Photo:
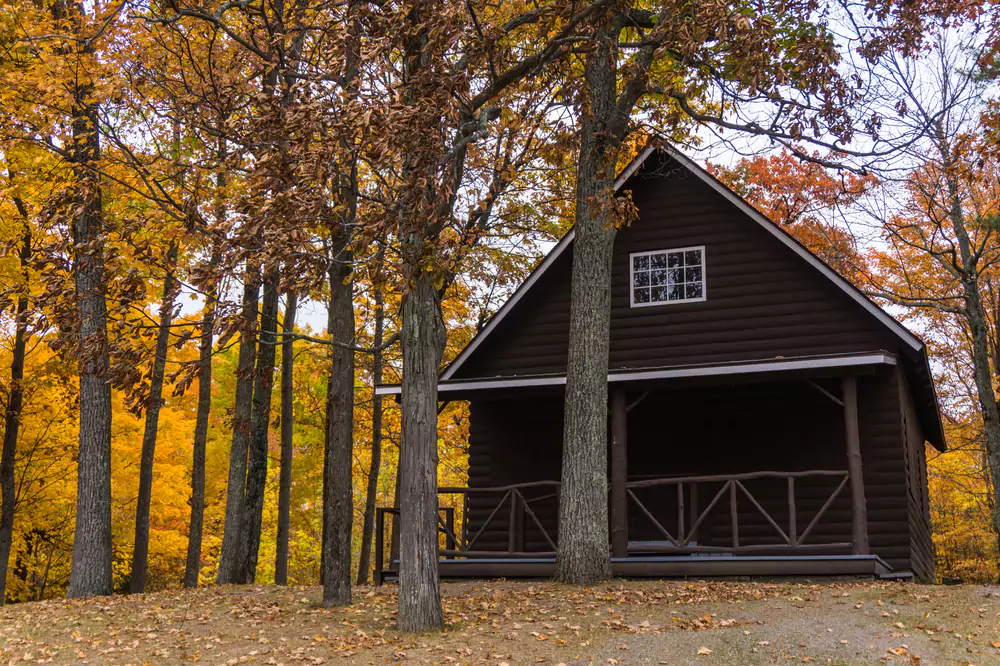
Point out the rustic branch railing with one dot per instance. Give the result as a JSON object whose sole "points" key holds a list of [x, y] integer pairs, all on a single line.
{"points": [[735, 487], [460, 544], [515, 501]]}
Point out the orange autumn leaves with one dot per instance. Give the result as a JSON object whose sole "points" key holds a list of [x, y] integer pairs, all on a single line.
{"points": [[46, 472]]}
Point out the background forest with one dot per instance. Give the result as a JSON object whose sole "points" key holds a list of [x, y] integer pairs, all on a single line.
{"points": [[210, 210]]}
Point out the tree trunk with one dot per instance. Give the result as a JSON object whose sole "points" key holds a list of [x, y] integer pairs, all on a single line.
{"points": [[12, 421], [984, 387], [287, 427], [229, 557], [368, 526], [260, 421], [583, 555], [338, 458], [978, 329], [140, 553], [423, 339], [193, 565], [92, 555]]}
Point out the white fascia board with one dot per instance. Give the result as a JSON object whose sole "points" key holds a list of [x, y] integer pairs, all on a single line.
{"points": [[476, 385], [719, 370], [901, 331], [777, 365]]}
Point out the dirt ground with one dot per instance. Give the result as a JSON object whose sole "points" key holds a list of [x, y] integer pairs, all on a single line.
{"points": [[624, 622]]}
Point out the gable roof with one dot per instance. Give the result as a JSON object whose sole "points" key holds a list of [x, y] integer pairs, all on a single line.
{"points": [[916, 362], [910, 341]]}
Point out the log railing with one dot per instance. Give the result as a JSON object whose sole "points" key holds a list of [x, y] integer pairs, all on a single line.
{"points": [[733, 490], [460, 543], [794, 532]]}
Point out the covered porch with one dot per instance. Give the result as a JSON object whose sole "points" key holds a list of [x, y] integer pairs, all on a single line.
{"points": [[751, 469]]}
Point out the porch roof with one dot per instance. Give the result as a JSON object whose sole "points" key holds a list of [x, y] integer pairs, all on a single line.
{"points": [[460, 389]]}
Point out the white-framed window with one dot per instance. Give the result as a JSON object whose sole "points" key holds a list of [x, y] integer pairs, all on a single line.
{"points": [[661, 277]]}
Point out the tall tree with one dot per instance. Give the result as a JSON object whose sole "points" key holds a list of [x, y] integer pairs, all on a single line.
{"points": [[260, 421], [287, 441], [338, 514], [371, 492], [15, 403], [230, 559], [942, 251], [192, 567], [583, 508], [92, 555], [137, 582]]}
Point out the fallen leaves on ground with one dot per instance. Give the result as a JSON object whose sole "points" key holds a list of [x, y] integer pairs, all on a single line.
{"points": [[514, 623]]}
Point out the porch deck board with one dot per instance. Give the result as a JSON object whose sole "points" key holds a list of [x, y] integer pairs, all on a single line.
{"points": [[676, 566]]}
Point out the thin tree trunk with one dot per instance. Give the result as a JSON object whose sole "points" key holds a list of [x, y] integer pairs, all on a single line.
{"points": [[339, 453], [583, 555], [260, 421], [92, 555], [140, 553], [287, 432], [368, 526], [423, 340], [192, 568], [229, 557], [979, 331], [12, 421]]}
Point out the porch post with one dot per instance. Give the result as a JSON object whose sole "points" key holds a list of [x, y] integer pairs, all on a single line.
{"points": [[859, 511], [619, 474]]}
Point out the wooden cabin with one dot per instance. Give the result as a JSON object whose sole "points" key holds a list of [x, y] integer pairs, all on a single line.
{"points": [[765, 417]]}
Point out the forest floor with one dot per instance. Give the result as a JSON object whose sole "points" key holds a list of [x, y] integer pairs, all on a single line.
{"points": [[623, 622]]}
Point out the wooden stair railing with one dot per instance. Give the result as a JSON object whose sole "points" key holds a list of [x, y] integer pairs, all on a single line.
{"points": [[458, 543]]}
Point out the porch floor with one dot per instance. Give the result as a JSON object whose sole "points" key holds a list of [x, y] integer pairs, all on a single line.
{"points": [[675, 566]]}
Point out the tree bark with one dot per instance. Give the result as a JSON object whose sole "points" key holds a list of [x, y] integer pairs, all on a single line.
{"points": [[12, 420], [338, 492], [140, 552], [287, 428], [260, 421], [229, 557], [368, 526], [423, 337], [969, 271], [192, 568], [92, 555], [583, 553], [619, 474], [984, 387]]}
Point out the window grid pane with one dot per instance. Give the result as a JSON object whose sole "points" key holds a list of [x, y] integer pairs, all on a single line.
{"points": [[668, 276]]}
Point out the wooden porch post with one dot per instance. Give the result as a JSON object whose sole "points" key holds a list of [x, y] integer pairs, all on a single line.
{"points": [[859, 510], [619, 474]]}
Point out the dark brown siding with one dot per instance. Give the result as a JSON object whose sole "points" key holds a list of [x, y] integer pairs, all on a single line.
{"points": [[513, 441], [762, 299], [884, 468], [678, 431], [915, 450]]}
